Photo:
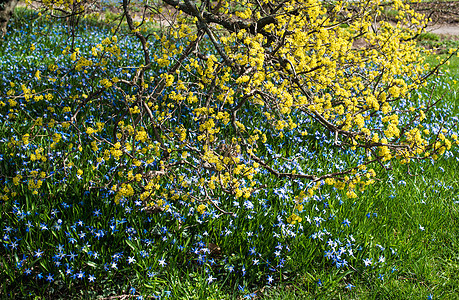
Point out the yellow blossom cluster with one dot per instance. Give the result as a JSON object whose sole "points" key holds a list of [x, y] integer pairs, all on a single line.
{"points": [[209, 109]]}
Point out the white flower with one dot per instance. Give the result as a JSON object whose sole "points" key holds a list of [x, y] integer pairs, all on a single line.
{"points": [[210, 279], [367, 262], [131, 260], [162, 262]]}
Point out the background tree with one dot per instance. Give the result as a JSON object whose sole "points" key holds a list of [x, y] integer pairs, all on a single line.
{"points": [[6, 11]]}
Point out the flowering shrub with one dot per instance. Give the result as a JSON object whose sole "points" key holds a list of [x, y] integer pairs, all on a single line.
{"points": [[221, 145]]}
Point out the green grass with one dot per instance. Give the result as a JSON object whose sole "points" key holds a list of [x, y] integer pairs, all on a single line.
{"points": [[439, 44], [427, 260]]}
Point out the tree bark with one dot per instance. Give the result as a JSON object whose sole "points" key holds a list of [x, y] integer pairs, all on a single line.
{"points": [[6, 12]]}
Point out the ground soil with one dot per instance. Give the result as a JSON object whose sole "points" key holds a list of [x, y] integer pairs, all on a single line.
{"points": [[440, 12], [444, 15]]}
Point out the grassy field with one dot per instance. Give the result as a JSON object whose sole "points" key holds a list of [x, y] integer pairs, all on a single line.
{"points": [[417, 214], [397, 240]]}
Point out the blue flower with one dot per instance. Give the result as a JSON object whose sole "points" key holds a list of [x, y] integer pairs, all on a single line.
{"points": [[38, 253], [367, 262], [80, 275], [349, 286], [132, 290], [151, 274], [72, 255]]}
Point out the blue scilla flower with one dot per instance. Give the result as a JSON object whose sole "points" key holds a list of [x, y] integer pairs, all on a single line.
{"points": [[80, 275], [349, 286], [38, 253], [346, 222]]}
